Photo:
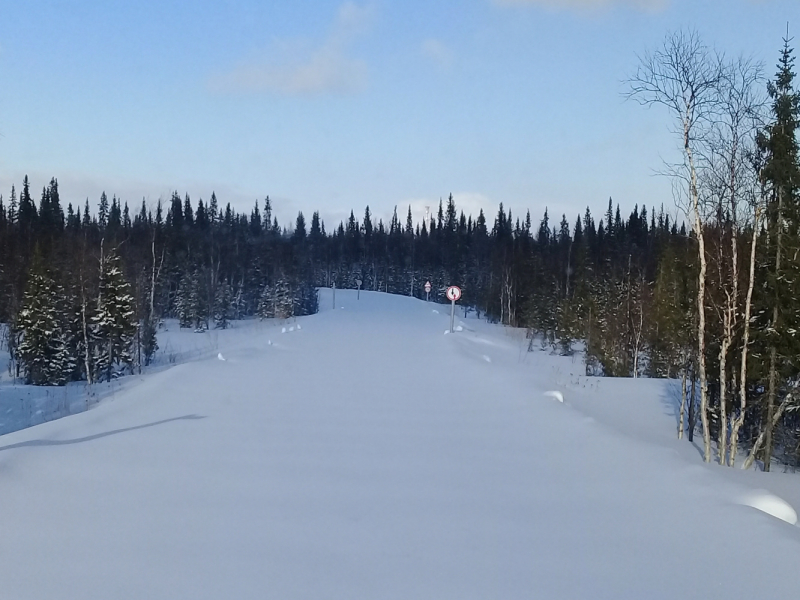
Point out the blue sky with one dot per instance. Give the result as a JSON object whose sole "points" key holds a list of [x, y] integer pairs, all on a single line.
{"points": [[331, 105]]}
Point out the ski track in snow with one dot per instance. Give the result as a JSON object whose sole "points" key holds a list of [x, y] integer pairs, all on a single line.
{"points": [[373, 457]]}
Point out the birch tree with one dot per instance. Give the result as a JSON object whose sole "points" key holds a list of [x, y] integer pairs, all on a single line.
{"points": [[683, 75], [732, 179]]}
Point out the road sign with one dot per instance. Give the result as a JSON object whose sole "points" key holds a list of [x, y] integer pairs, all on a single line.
{"points": [[427, 287], [358, 282], [358, 294], [453, 293]]}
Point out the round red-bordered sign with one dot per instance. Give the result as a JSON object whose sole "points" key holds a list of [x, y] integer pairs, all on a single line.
{"points": [[453, 293]]}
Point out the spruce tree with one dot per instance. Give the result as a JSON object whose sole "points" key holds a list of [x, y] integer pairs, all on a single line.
{"points": [[223, 298], [114, 323], [782, 174], [266, 302], [41, 346]]}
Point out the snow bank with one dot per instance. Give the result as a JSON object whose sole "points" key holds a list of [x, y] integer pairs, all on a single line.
{"points": [[372, 457]]}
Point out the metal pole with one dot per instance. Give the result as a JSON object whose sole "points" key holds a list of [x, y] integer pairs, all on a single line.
{"points": [[334, 294], [452, 314]]}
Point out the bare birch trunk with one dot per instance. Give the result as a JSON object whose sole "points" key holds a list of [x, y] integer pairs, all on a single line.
{"points": [[693, 405], [86, 354], [701, 299], [683, 405], [771, 392], [773, 351], [723, 386], [637, 342], [739, 420], [764, 433], [731, 306], [154, 276], [684, 76]]}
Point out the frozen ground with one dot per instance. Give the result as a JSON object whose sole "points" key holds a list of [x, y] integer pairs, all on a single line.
{"points": [[367, 455]]}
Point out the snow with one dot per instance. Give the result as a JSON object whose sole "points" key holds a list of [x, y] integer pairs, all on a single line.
{"points": [[556, 395], [771, 504], [372, 457]]}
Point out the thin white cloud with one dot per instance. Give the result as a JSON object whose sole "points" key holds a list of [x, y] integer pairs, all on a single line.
{"points": [[438, 52], [587, 5], [305, 69]]}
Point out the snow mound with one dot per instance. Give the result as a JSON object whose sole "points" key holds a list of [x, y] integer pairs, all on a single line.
{"points": [[283, 329], [487, 359], [220, 357], [770, 504], [555, 394]]}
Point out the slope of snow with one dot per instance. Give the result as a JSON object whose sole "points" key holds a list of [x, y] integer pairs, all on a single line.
{"points": [[366, 455]]}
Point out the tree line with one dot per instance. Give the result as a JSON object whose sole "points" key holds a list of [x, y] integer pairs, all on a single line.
{"points": [[708, 299]]}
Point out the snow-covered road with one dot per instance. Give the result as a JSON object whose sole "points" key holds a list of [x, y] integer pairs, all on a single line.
{"points": [[365, 456]]}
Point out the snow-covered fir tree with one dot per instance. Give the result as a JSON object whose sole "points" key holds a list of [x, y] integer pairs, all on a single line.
{"points": [[149, 339], [283, 299], [306, 300], [278, 300], [41, 331], [114, 323], [183, 301], [223, 300], [191, 304], [266, 302], [198, 306]]}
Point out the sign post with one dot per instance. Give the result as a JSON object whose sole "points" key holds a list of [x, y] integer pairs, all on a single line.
{"points": [[427, 291], [358, 294], [334, 293], [453, 294]]}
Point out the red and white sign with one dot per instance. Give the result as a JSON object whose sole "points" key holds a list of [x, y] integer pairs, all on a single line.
{"points": [[453, 293], [427, 287]]}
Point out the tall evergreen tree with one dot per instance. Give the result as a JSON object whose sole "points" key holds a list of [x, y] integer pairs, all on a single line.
{"points": [[114, 322]]}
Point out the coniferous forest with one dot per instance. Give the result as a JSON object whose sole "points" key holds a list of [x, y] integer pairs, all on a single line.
{"points": [[708, 298]]}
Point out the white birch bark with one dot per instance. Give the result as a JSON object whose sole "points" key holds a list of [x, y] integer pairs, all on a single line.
{"points": [[787, 400], [738, 421], [683, 405]]}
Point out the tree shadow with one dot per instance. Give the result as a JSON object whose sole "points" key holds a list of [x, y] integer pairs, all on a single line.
{"points": [[89, 438], [671, 401]]}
